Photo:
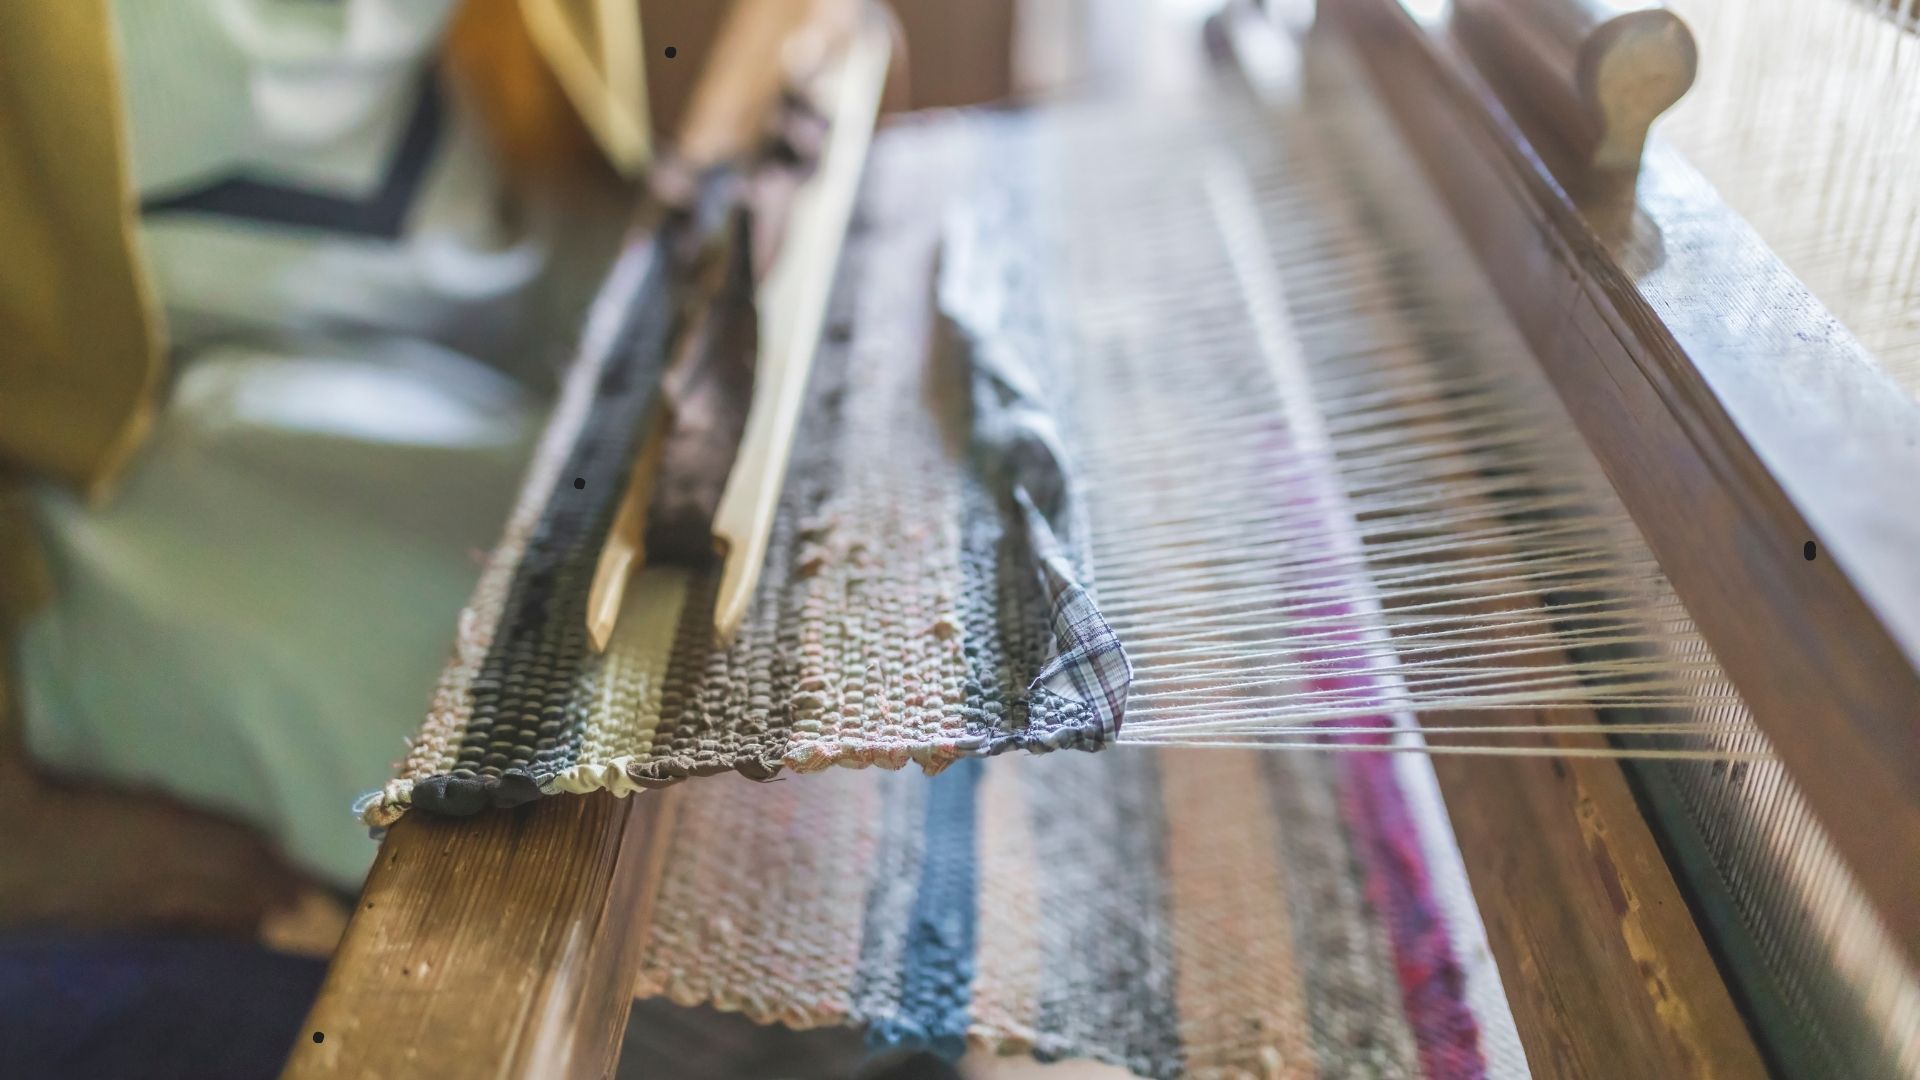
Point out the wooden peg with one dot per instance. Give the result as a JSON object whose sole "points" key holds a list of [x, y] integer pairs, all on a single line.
{"points": [[758, 51], [1597, 71], [625, 548]]}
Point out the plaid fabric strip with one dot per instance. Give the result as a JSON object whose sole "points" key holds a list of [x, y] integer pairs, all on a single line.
{"points": [[1089, 667], [989, 305]]}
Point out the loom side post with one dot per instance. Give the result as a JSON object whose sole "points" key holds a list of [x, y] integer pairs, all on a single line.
{"points": [[504, 945], [1735, 418]]}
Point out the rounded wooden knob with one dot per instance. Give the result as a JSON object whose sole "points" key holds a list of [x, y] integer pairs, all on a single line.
{"points": [[1597, 71], [1631, 68]]}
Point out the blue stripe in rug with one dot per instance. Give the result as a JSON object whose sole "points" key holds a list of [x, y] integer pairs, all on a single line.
{"points": [[937, 971]]}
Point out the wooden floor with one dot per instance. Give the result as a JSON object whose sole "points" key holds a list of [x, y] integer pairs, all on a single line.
{"points": [[83, 855]]}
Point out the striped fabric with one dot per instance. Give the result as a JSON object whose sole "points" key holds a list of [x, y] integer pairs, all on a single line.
{"points": [[1193, 912], [922, 600], [1206, 913]]}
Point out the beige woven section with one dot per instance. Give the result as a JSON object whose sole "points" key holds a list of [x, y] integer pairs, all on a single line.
{"points": [[631, 689], [881, 666], [1011, 975], [1241, 998], [765, 898]]}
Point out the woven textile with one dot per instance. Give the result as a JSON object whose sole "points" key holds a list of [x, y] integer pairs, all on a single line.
{"points": [[991, 312], [921, 600], [1207, 913], [1204, 913]]}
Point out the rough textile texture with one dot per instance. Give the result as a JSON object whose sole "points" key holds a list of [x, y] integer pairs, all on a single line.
{"points": [[1212, 913], [990, 311], [1207, 913], [914, 606]]}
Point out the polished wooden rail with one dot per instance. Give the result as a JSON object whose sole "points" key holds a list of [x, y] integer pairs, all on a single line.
{"points": [[1734, 416]]}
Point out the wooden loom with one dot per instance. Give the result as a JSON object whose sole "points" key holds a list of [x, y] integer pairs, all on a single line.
{"points": [[1736, 423]]}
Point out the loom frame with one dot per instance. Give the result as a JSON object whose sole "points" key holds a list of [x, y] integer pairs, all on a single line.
{"points": [[1709, 453], [1648, 305]]}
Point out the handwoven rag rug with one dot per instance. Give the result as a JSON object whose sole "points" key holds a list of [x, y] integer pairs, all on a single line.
{"points": [[924, 596], [1199, 912], [1188, 912]]}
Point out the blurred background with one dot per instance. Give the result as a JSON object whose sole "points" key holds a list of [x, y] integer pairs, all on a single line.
{"points": [[288, 286]]}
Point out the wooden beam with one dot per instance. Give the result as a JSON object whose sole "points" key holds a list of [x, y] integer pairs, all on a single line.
{"points": [[1598, 72], [1734, 417], [1602, 963], [503, 945]]}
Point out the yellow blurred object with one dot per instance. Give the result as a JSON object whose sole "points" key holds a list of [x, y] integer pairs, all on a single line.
{"points": [[594, 50], [559, 83], [83, 357], [82, 354]]}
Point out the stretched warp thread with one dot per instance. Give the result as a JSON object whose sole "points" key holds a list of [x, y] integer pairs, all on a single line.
{"points": [[1326, 484]]}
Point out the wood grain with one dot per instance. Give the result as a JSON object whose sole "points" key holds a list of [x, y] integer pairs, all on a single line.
{"points": [[759, 49], [791, 303], [1736, 420], [504, 945], [1603, 966]]}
